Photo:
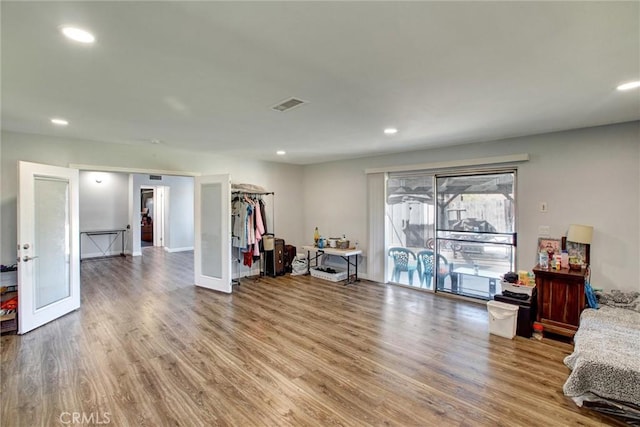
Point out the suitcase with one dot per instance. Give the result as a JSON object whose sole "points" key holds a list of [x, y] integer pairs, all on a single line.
{"points": [[274, 260], [289, 256]]}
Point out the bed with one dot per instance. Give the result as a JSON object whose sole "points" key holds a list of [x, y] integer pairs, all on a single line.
{"points": [[605, 363]]}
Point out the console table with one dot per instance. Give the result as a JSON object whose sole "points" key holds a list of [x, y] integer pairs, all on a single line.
{"points": [[345, 254], [112, 239]]}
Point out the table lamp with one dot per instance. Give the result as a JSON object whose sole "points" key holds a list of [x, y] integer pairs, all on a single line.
{"points": [[580, 234]]}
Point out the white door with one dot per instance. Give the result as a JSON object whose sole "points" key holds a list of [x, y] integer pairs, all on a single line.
{"points": [[212, 250], [159, 220], [48, 244]]}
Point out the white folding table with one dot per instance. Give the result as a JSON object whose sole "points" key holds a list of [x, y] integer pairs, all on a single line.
{"points": [[345, 254]]}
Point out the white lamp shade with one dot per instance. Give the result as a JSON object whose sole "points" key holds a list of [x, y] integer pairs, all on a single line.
{"points": [[580, 234]]}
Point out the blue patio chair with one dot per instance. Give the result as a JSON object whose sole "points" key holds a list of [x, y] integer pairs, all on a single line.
{"points": [[403, 260], [426, 270]]}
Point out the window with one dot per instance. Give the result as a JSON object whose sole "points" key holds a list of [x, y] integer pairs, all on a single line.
{"points": [[451, 233]]}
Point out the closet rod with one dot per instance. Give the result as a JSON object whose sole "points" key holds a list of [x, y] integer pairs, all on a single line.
{"points": [[252, 193]]}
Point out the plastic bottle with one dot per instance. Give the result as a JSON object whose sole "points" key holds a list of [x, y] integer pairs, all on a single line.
{"points": [[543, 260], [316, 236], [538, 331], [564, 260]]}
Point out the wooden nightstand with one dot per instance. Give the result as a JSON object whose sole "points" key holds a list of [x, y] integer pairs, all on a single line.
{"points": [[560, 299]]}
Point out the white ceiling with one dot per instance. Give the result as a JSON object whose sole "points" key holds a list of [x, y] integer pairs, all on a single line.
{"points": [[203, 75]]}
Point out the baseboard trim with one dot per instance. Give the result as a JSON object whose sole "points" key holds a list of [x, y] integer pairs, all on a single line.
{"points": [[100, 254], [171, 250]]}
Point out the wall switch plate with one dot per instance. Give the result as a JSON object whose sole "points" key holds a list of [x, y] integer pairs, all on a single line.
{"points": [[543, 207], [544, 231]]}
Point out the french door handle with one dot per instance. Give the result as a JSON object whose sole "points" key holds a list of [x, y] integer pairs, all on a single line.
{"points": [[28, 258]]}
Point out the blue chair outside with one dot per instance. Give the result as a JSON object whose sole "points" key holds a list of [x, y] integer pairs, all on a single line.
{"points": [[426, 268], [403, 260]]}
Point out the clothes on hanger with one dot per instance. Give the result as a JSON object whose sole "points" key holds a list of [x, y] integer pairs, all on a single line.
{"points": [[248, 225]]}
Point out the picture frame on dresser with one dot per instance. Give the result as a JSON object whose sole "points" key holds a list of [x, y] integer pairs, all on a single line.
{"points": [[580, 250], [549, 245]]}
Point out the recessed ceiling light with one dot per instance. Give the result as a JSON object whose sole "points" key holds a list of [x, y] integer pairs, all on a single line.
{"points": [[155, 141], [59, 122], [78, 34], [390, 131], [281, 152], [630, 85]]}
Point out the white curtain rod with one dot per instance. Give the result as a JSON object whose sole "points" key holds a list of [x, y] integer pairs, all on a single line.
{"points": [[512, 158]]}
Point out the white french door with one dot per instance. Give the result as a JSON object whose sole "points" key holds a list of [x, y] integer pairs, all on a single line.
{"points": [[212, 249], [48, 244]]}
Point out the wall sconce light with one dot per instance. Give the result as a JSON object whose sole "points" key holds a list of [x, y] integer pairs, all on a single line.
{"points": [[99, 178]]}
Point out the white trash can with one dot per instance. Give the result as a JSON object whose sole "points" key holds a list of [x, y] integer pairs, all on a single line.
{"points": [[503, 318]]}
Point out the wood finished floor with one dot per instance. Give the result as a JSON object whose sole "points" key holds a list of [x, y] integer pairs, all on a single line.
{"points": [[150, 349]]}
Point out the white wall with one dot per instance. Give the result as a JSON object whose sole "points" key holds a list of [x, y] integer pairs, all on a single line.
{"points": [[284, 180], [103, 206], [587, 176], [178, 222]]}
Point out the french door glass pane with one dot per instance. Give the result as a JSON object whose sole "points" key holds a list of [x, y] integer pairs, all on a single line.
{"points": [[211, 259], [51, 241], [476, 231]]}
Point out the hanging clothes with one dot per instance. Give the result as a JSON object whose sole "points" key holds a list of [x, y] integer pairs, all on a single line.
{"points": [[259, 228], [249, 225], [248, 258], [249, 229], [239, 220], [264, 216]]}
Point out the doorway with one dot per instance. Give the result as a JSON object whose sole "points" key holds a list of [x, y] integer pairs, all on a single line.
{"points": [[146, 217], [152, 216]]}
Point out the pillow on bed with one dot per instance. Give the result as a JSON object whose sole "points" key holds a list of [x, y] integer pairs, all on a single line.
{"points": [[620, 299]]}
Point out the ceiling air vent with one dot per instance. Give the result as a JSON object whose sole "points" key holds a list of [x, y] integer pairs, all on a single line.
{"points": [[155, 177], [288, 104]]}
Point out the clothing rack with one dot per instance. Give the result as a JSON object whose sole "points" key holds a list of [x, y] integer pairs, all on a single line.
{"points": [[235, 251]]}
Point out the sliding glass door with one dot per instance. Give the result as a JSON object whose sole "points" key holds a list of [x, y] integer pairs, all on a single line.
{"points": [[451, 233], [476, 231], [410, 229]]}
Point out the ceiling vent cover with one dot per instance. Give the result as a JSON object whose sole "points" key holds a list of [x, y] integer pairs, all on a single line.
{"points": [[288, 104]]}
